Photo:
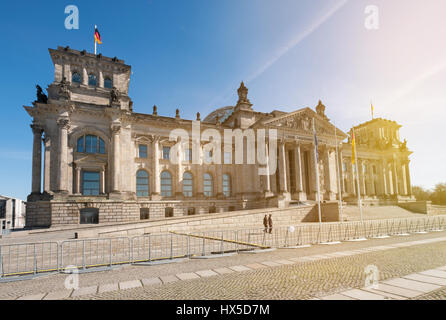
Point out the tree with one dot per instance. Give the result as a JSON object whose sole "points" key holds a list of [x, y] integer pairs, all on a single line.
{"points": [[421, 194], [439, 194]]}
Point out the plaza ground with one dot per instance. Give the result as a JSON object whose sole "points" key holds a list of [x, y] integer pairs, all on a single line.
{"points": [[305, 273]]}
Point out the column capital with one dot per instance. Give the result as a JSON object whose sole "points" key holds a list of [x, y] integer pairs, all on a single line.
{"points": [[36, 128], [63, 123], [116, 128], [154, 138]]}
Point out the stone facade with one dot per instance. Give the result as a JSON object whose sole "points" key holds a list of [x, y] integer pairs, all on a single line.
{"points": [[101, 158]]}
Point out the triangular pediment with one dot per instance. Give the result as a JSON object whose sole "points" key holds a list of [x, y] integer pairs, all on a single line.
{"points": [[301, 121]]}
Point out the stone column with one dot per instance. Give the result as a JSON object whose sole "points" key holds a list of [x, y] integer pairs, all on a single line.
{"points": [[409, 185], [301, 195], [385, 186], [84, 76], [404, 179], [267, 189], [101, 79], [47, 164], [395, 179], [200, 172], [116, 129], [329, 180], [313, 174], [37, 159], [102, 181], [64, 125], [282, 168], [362, 178], [340, 163], [156, 167], [78, 180]]}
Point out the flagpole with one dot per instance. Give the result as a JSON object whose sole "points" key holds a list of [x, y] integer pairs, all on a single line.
{"points": [[357, 180], [317, 176], [339, 177], [95, 42]]}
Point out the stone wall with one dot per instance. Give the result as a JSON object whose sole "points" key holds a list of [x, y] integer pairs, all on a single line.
{"points": [[425, 207], [220, 221], [59, 213]]}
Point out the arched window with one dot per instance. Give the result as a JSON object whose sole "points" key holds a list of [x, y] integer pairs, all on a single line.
{"points": [[188, 184], [166, 184], [76, 78], [108, 83], [92, 80], [208, 185], [142, 183], [90, 144], [226, 185]]}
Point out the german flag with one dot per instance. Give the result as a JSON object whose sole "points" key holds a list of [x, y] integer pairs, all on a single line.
{"points": [[97, 35]]}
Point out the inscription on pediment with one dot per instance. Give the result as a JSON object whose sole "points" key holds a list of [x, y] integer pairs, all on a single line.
{"points": [[303, 122]]}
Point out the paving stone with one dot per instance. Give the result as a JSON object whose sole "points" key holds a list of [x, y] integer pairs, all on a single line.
{"points": [[397, 291], [382, 293], [362, 295], [240, 268], [337, 296], [58, 295], [108, 287], [284, 262], [427, 279], [256, 266], [125, 285], [223, 270], [151, 281], [187, 276], [412, 285], [271, 263], [38, 296], [206, 273], [85, 291], [168, 279], [434, 273]]}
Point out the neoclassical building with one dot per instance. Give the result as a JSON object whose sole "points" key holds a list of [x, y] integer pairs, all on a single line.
{"points": [[104, 163]]}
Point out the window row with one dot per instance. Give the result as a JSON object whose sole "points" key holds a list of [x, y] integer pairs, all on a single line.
{"points": [[92, 80], [143, 185], [187, 156]]}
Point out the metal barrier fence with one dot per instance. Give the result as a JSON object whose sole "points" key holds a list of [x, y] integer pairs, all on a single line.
{"points": [[34, 258]]}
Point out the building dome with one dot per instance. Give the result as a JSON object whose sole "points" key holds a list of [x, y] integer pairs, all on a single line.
{"points": [[221, 113]]}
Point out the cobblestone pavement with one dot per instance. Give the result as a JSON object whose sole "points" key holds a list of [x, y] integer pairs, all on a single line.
{"points": [[273, 279]]}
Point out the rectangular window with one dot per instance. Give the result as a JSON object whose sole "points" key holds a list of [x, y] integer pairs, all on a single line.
{"points": [[143, 151], [166, 153], [90, 183], [91, 144], [144, 213]]}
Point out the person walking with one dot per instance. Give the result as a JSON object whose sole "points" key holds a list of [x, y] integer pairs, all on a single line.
{"points": [[265, 223], [270, 223]]}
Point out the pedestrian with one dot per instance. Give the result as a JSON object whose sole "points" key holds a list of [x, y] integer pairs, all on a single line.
{"points": [[265, 223], [270, 223]]}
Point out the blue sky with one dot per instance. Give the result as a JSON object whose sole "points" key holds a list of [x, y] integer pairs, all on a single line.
{"points": [[193, 54]]}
